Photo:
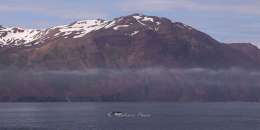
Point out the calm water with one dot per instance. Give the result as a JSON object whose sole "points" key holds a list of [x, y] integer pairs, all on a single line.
{"points": [[162, 116]]}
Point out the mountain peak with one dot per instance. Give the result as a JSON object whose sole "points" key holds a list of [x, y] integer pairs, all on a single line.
{"points": [[140, 20], [142, 16], [87, 22]]}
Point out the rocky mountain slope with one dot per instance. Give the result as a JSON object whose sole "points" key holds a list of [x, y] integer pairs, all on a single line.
{"points": [[134, 41]]}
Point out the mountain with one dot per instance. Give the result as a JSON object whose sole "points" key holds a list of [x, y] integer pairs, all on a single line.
{"points": [[130, 58], [134, 41]]}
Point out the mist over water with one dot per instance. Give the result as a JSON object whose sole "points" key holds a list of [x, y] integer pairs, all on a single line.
{"points": [[150, 84]]}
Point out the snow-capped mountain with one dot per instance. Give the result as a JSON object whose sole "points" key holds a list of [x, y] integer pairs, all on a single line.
{"points": [[14, 36], [134, 41]]}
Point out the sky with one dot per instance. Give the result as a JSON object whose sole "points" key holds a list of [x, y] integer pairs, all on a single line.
{"points": [[225, 20]]}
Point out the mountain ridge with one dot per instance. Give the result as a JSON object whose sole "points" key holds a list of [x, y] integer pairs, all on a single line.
{"points": [[133, 41], [76, 24]]}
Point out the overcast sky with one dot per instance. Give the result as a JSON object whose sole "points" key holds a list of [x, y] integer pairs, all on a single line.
{"points": [[225, 20]]}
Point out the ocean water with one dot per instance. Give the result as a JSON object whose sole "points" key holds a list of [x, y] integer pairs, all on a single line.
{"points": [[130, 116]]}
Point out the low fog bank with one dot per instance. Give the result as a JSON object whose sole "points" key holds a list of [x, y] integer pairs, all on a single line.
{"points": [[151, 84]]}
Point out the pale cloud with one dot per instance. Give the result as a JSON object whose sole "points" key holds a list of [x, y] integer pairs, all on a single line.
{"points": [[190, 5], [53, 10]]}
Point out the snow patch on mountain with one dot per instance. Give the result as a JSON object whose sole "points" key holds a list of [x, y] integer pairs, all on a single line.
{"points": [[148, 19], [81, 28], [111, 24], [134, 33], [120, 26], [18, 36], [137, 17]]}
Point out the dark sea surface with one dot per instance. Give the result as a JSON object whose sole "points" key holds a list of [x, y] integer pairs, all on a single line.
{"points": [[133, 116]]}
